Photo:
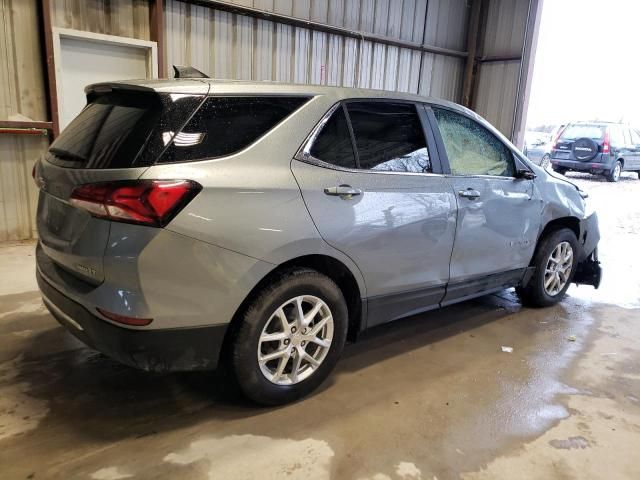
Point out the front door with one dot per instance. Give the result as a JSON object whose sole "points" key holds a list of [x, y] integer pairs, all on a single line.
{"points": [[375, 197], [635, 142], [498, 214]]}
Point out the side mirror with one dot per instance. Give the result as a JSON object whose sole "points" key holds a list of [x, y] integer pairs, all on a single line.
{"points": [[525, 174]]}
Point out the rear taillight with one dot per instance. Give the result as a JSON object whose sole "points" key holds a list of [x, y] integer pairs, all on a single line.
{"points": [[606, 145], [146, 202], [556, 137]]}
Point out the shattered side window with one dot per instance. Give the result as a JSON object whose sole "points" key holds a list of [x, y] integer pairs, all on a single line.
{"points": [[471, 148]]}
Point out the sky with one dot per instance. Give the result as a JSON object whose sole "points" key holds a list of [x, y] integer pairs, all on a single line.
{"points": [[587, 63]]}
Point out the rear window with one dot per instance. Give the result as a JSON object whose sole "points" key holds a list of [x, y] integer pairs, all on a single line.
{"points": [[225, 125], [574, 132], [134, 129], [109, 132]]}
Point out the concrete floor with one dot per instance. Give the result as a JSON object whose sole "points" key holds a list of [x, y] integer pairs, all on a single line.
{"points": [[428, 397]]}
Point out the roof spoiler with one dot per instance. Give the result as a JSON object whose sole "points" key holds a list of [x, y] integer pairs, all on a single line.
{"points": [[183, 71]]}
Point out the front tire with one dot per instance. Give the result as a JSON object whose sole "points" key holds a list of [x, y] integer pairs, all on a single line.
{"points": [[614, 174], [290, 337], [555, 264]]}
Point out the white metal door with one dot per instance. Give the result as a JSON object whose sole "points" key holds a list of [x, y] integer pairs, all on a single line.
{"points": [[85, 62]]}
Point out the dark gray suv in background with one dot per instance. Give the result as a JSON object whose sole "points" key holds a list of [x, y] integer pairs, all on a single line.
{"points": [[186, 224], [599, 148]]}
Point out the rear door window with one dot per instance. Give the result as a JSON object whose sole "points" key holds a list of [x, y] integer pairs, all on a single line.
{"points": [[389, 137], [617, 136], [225, 125], [333, 144], [471, 148]]}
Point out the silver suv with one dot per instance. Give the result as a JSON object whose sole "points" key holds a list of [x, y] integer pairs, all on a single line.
{"points": [[186, 224]]}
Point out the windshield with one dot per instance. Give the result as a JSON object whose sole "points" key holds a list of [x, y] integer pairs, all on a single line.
{"points": [[574, 132]]}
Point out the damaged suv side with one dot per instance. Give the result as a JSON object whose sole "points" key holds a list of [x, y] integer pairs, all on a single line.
{"points": [[189, 224]]}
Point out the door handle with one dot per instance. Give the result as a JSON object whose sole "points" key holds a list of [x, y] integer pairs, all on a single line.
{"points": [[346, 192], [469, 193]]}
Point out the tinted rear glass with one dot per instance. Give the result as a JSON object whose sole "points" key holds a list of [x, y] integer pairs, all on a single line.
{"points": [[333, 144], [574, 132], [121, 130], [225, 125], [108, 133]]}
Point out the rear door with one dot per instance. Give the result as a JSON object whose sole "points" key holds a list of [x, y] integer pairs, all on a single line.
{"points": [[635, 141], [620, 144], [378, 196], [115, 137], [498, 214]]}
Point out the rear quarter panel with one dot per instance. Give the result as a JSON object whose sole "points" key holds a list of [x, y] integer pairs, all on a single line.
{"points": [[250, 202]]}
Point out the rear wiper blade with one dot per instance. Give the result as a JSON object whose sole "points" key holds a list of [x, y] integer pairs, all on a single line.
{"points": [[66, 155]]}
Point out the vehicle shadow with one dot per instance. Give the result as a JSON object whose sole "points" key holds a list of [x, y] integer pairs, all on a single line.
{"points": [[101, 399]]}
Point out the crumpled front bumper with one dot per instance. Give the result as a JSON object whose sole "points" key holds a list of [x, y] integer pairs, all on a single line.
{"points": [[589, 271]]}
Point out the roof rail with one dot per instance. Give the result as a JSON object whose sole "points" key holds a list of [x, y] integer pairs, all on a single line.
{"points": [[183, 71]]}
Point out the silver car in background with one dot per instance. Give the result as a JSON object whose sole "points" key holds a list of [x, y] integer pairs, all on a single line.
{"points": [[190, 224], [537, 148]]}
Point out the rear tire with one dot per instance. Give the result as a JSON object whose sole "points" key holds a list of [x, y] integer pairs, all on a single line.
{"points": [[299, 364], [614, 174], [560, 170], [550, 263]]}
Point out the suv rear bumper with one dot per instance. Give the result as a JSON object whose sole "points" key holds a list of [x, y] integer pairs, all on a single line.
{"points": [[592, 166], [164, 350]]}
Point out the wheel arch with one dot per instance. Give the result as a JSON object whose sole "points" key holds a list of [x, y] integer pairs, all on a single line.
{"points": [[570, 222], [333, 268]]}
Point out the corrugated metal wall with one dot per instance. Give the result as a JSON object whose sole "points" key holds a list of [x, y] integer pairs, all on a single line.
{"points": [[21, 98], [226, 45], [125, 18], [497, 82]]}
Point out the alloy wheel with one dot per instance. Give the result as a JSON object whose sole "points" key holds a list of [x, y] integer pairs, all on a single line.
{"points": [[617, 170], [558, 269], [295, 340]]}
